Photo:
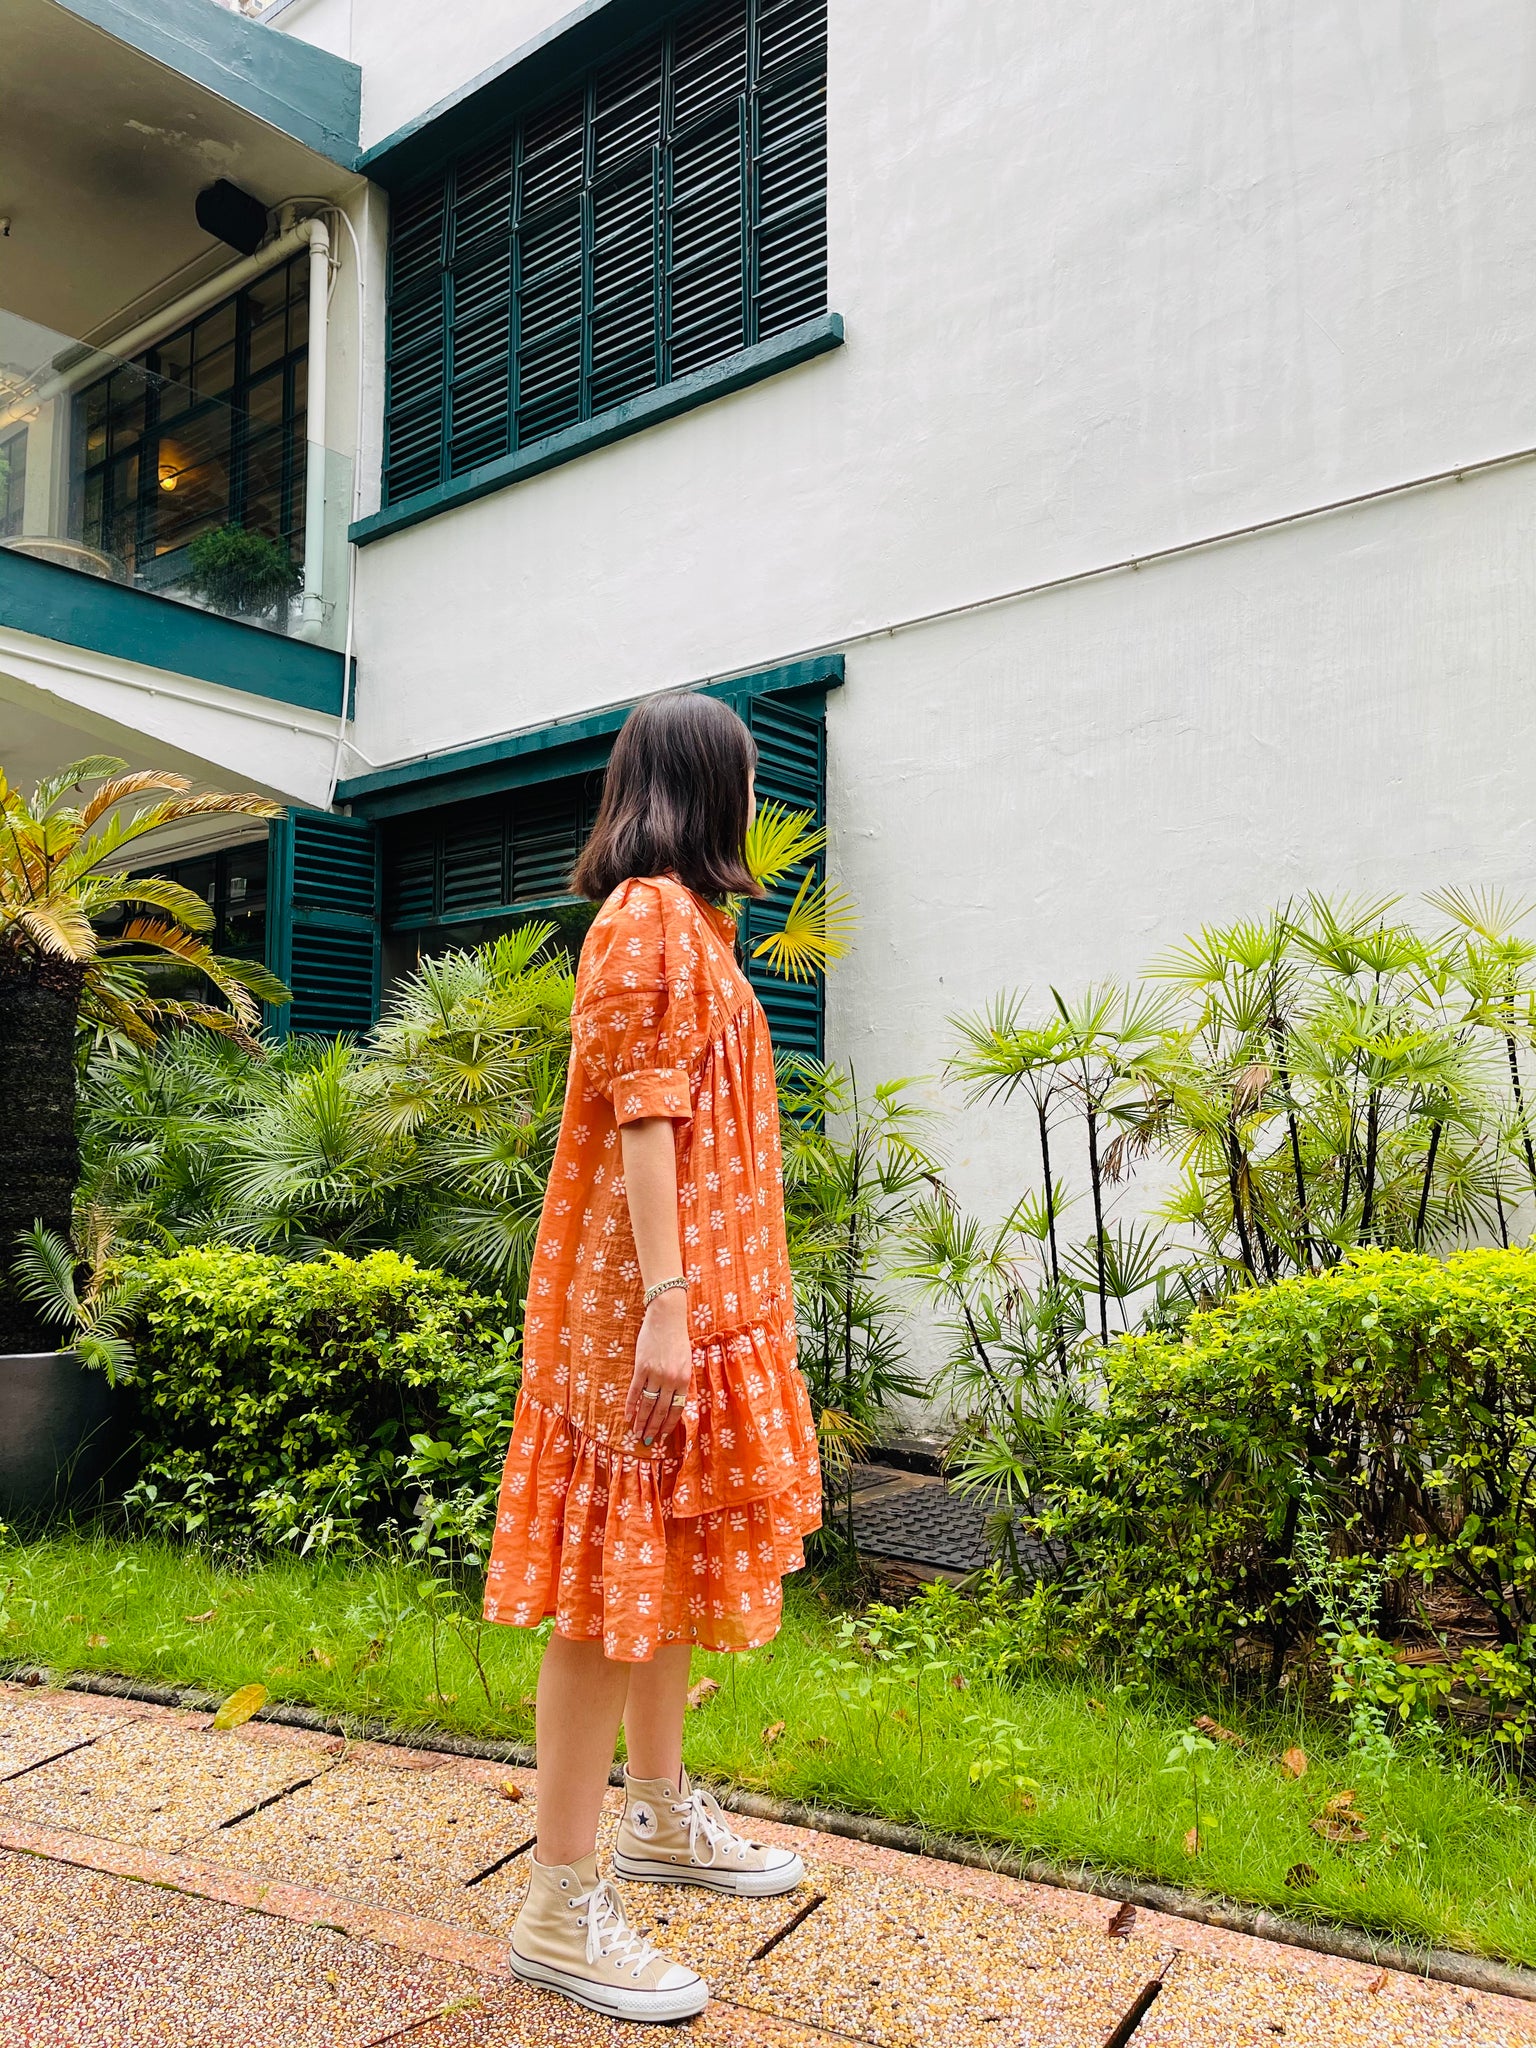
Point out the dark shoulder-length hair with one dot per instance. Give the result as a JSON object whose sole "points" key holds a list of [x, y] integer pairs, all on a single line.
{"points": [[674, 801]]}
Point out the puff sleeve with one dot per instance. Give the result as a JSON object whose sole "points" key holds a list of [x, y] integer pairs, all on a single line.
{"points": [[640, 1024]]}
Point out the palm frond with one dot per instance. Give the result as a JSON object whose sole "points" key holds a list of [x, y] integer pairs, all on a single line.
{"points": [[779, 840], [817, 929], [118, 788], [46, 793]]}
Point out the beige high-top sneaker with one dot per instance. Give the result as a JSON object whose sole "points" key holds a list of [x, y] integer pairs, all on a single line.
{"points": [[571, 1935], [677, 1834]]}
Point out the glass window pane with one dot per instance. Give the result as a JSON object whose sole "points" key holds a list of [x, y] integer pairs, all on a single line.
{"points": [[263, 513], [264, 401], [13, 482], [214, 331], [176, 358], [267, 343], [128, 425], [268, 294], [213, 376], [200, 876]]}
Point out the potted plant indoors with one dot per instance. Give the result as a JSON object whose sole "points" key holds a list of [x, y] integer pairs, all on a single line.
{"points": [[61, 865], [243, 573]]}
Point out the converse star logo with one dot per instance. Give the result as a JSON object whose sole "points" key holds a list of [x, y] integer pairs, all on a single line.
{"points": [[642, 1819]]}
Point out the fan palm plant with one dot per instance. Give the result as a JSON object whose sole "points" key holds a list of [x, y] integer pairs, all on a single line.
{"points": [[61, 872], [816, 925]]}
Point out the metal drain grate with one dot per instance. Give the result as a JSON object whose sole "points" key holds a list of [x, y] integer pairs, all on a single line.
{"points": [[927, 1524]]}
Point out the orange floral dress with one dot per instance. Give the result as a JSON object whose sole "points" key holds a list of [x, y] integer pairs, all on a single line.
{"points": [[686, 1542]]}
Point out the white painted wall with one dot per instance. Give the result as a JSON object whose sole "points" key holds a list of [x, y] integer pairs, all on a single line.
{"points": [[59, 702], [1114, 279]]}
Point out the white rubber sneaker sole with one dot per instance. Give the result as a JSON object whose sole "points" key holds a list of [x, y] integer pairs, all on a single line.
{"points": [[682, 2003], [740, 1884]]}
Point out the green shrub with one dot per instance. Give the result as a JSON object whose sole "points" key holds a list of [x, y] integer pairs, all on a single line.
{"points": [[1322, 1454], [235, 570], [319, 1403]]}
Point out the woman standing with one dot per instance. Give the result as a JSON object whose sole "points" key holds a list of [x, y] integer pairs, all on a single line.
{"points": [[663, 1465]]}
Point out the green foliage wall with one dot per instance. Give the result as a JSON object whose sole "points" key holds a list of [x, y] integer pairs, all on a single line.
{"points": [[293, 1402], [1376, 1421]]}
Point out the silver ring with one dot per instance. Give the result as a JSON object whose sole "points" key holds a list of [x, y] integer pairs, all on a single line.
{"points": [[650, 1393]]}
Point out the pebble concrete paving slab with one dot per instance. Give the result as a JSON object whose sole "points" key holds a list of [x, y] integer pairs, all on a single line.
{"points": [[167, 1885]]}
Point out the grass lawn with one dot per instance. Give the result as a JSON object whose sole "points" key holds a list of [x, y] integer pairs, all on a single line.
{"points": [[1067, 1770]]}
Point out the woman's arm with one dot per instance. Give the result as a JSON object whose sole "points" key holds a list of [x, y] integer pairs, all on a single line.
{"points": [[663, 1352]]}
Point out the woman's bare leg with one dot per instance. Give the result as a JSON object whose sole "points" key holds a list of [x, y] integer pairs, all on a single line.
{"points": [[581, 1701], [653, 1714]]}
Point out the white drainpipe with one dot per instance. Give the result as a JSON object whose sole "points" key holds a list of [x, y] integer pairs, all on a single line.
{"points": [[314, 463]]}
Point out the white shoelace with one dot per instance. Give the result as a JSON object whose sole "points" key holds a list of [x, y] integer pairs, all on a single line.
{"points": [[702, 1812], [610, 1938]]}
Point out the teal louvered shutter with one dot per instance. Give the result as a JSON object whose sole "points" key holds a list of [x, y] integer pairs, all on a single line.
{"points": [[791, 770], [324, 922], [657, 215], [416, 343]]}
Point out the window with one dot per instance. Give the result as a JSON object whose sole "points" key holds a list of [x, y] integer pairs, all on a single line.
{"points": [[13, 482], [665, 212], [233, 884], [204, 430]]}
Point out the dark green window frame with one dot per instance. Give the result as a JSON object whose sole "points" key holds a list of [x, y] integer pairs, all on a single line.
{"points": [[206, 429], [662, 215], [13, 481]]}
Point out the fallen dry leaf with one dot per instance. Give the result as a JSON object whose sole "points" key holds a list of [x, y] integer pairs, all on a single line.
{"points": [[1341, 1802], [1022, 1802], [1342, 1829], [510, 1789], [958, 1680], [701, 1694], [772, 1733], [74, 1617], [97, 1642], [529, 1699], [206, 1616], [1299, 1876], [819, 1742], [321, 1657], [1294, 1763], [901, 1714], [442, 1699], [1098, 1706], [1378, 1982], [245, 1701], [1121, 1921], [1217, 1733], [1192, 1842]]}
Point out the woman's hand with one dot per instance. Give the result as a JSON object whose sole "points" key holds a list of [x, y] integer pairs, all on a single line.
{"points": [[663, 1368]]}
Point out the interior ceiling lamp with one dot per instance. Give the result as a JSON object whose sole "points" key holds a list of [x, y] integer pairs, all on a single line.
{"points": [[232, 215]]}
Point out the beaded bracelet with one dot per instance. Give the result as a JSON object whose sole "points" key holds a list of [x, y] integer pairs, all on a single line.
{"points": [[663, 1287]]}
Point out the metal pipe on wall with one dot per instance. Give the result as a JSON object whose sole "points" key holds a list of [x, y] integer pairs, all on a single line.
{"points": [[313, 611]]}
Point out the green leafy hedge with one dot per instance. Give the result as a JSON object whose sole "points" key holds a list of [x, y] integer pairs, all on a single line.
{"points": [[1322, 1454], [319, 1402]]}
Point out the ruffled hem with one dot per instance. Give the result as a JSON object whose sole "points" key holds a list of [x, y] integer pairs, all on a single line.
{"points": [[641, 1549]]}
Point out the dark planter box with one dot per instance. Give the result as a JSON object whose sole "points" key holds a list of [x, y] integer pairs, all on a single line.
{"points": [[60, 1429]]}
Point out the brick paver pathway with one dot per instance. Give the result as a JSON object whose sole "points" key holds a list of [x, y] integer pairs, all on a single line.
{"points": [[163, 1885]]}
